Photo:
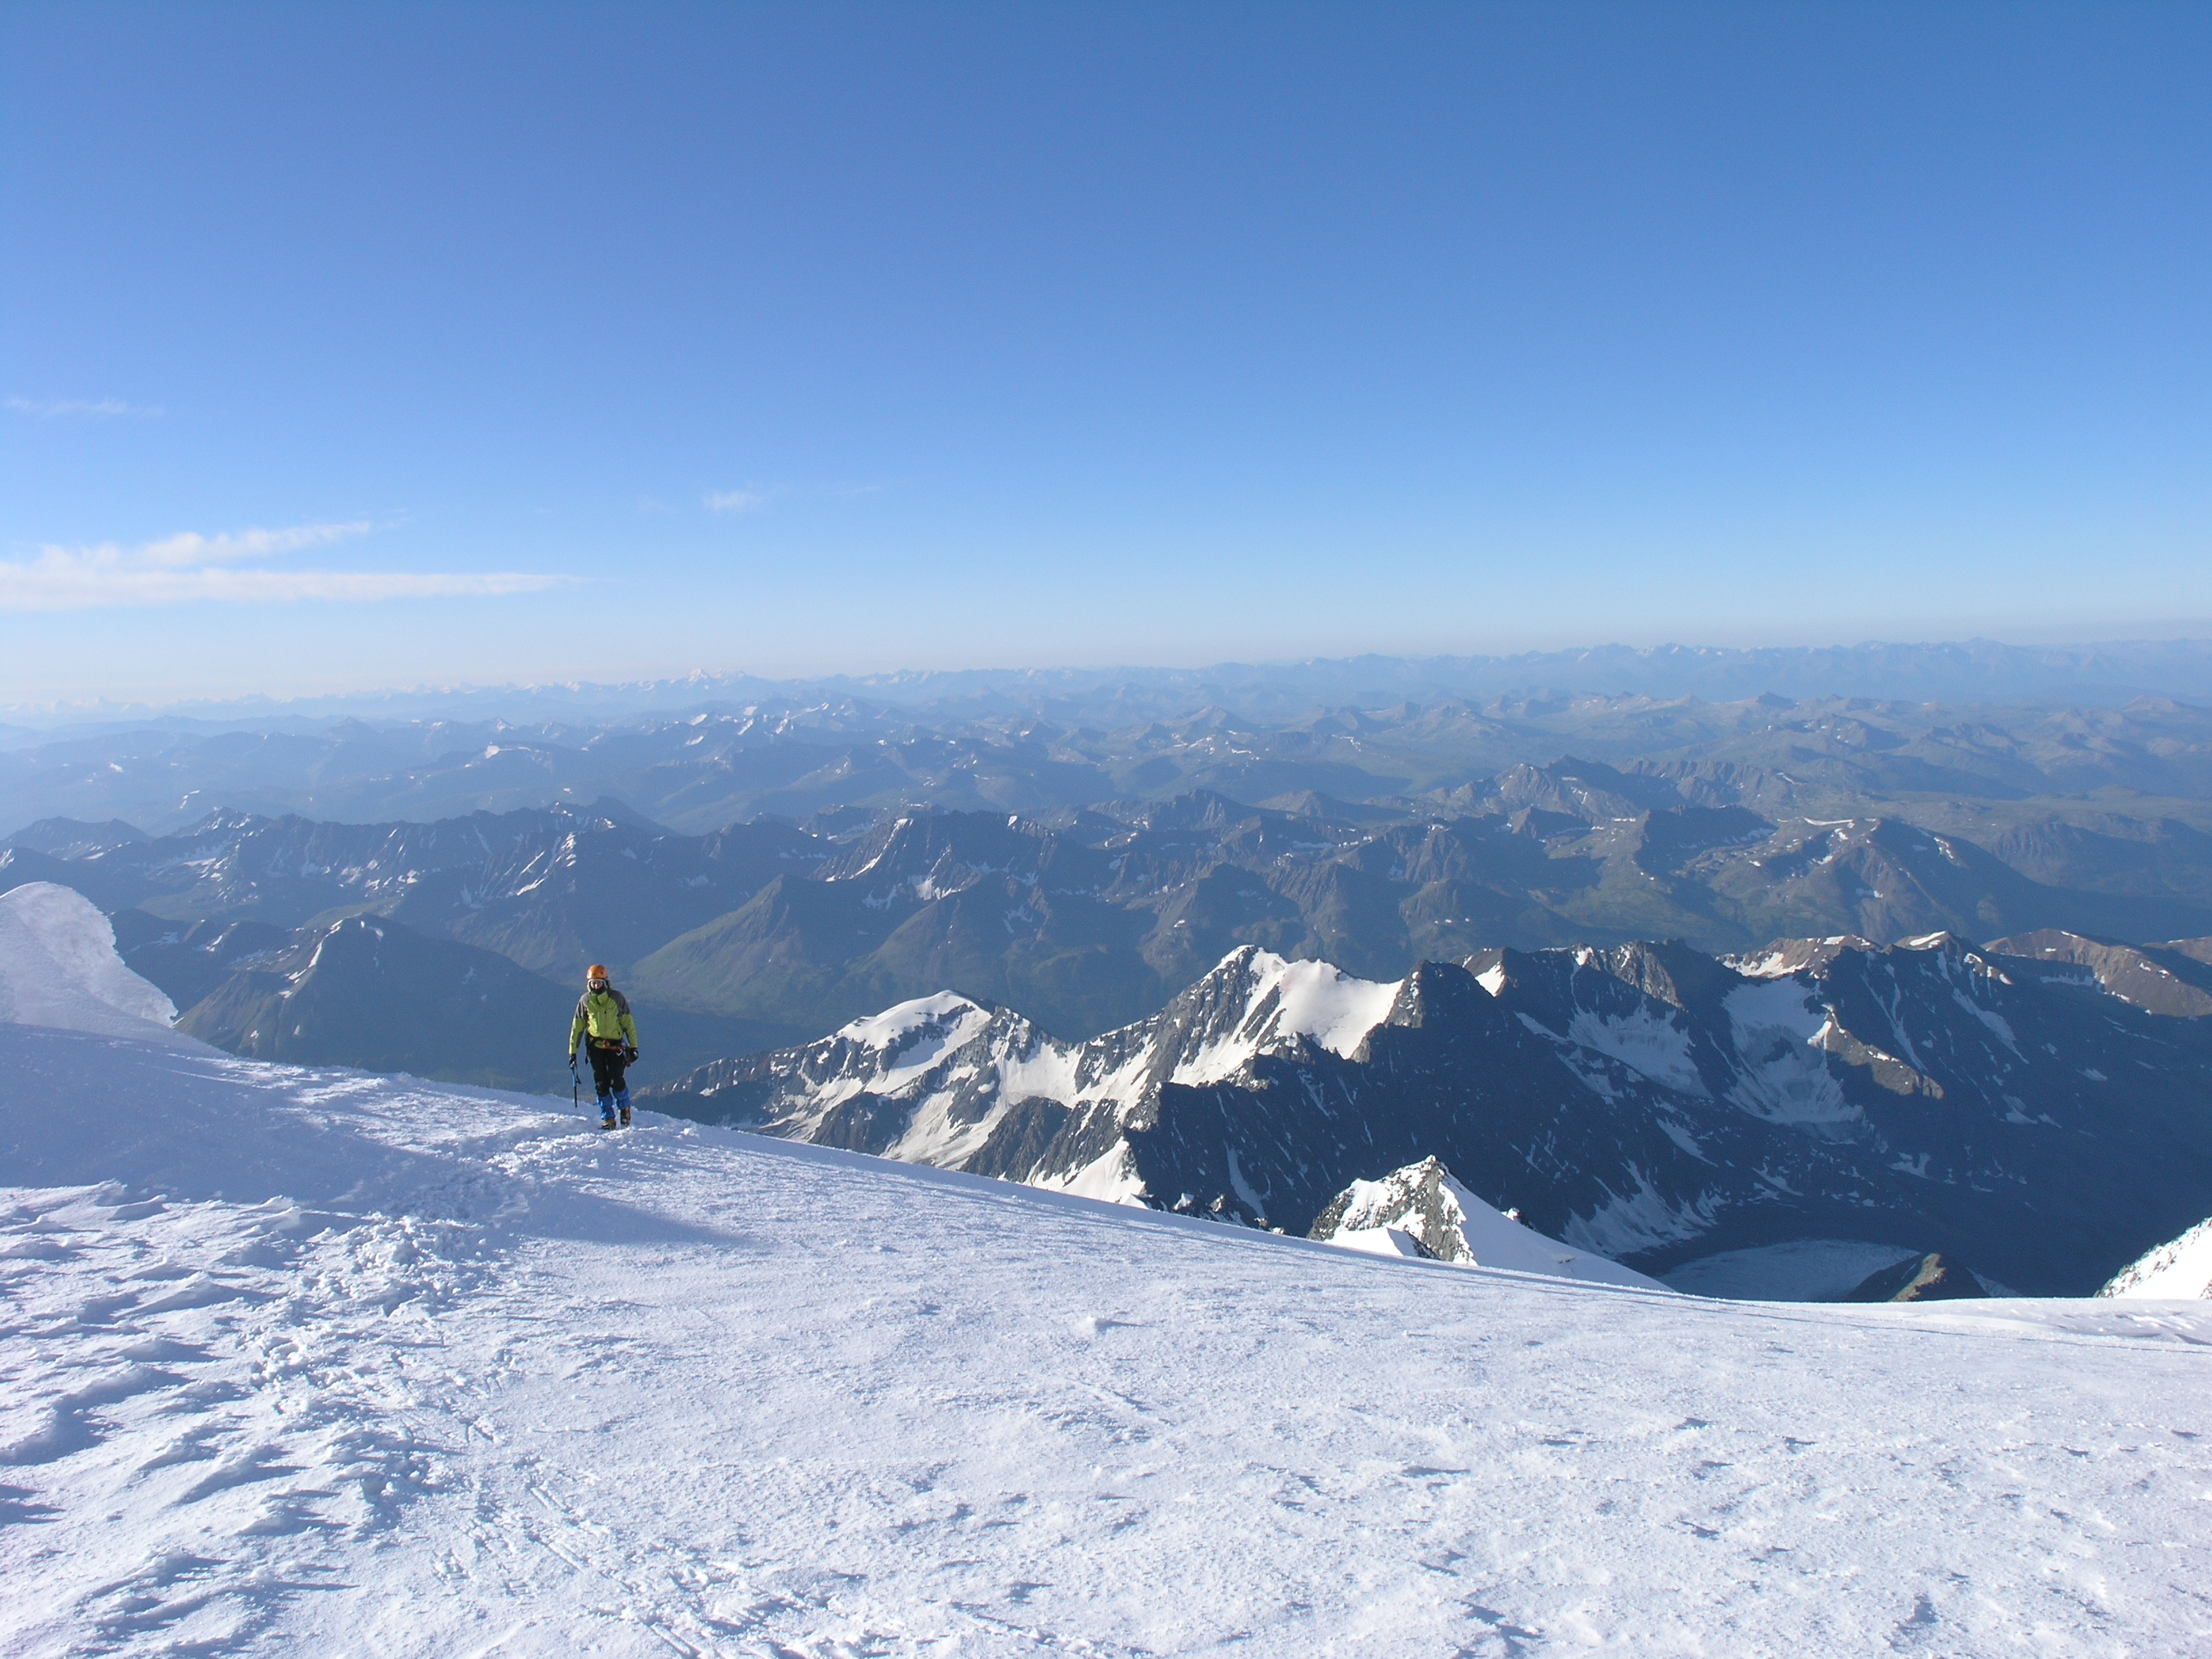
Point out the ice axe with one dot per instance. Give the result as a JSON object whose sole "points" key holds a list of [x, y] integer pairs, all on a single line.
{"points": [[575, 1086]]}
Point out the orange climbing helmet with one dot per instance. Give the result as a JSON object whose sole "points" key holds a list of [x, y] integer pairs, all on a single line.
{"points": [[597, 970]]}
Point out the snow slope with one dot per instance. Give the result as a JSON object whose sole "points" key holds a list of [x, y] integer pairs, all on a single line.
{"points": [[299, 1361], [2182, 1268], [58, 968]]}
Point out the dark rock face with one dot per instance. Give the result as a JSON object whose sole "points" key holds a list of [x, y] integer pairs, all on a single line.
{"points": [[1645, 1103], [1919, 1279]]}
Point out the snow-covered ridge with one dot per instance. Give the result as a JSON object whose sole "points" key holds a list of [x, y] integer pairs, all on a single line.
{"points": [[885, 1030], [1421, 1210], [2181, 1269], [1283, 1000], [944, 1081], [1322, 1002], [2143, 976], [1785, 957]]}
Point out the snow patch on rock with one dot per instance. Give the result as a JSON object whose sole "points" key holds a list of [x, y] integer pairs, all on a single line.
{"points": [[1777, 1025], [1643, 1041], [1640, 1220]]}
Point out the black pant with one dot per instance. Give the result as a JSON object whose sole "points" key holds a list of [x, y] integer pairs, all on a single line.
{"points": [[607, 1068]]}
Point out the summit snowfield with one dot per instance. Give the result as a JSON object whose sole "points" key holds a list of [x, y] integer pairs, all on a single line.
{"points": [[312, 1361]]}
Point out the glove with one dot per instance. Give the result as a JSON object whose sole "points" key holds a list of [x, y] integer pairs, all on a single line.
{"points": [[572, 1060], [630, 1056]]}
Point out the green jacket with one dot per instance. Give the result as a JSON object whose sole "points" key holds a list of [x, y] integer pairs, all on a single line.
{"points": [[604, 1014]]}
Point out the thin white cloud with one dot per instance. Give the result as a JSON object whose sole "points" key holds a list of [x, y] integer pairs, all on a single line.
{"points": [[47, 409], [190, 550], [735, 501], [180, 569]]}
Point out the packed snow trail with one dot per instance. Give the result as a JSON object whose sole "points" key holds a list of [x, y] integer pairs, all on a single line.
{"points": [[316, 1362]]}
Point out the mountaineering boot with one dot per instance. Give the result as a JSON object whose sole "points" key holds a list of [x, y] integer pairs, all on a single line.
{"points": [[608, 1122], [625, 1117]]}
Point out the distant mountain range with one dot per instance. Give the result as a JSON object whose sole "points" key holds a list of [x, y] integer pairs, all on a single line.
{"points": [[2016, 1109], [1980, 770], [1957, 672], [771, 932]]}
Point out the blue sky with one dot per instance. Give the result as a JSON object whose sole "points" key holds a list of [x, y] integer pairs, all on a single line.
{"points": [[346, 346]]}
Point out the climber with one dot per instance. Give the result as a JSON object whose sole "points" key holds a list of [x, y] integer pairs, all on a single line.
{"points": [[603, 1023]]}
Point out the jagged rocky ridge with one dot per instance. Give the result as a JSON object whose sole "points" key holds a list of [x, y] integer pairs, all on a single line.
{"points": [[1647, 1103]]}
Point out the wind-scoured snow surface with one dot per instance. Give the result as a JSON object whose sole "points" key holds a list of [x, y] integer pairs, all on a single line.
{"points": [[318, 1362]]}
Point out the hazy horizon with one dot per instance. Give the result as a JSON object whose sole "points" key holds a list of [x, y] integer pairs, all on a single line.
{"points": [[1961, 671]]}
